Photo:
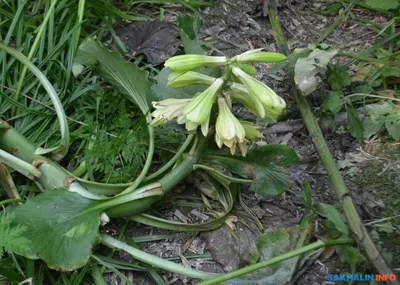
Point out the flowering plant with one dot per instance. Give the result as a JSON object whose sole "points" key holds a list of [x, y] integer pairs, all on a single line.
{"points": [[236, 85]]}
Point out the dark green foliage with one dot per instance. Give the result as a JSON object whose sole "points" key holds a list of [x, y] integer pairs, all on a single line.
{"points": [[265, 165], [119, 144], [354, 123], [383, 4], [338, 77], [382, 115], [337, 228], [11, 239], [60, 231]]}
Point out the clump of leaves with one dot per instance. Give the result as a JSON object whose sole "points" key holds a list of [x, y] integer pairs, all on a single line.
{"points": [[382, 115], [339, 79], [11, 238], [117, 153], [379, 115], [337, 228]]}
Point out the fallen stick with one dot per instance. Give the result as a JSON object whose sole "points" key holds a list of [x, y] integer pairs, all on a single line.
{"points": [[363, 238]]}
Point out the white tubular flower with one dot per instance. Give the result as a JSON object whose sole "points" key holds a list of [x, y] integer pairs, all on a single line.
{"points": [[167, 110], [273, 104], [228, 130], [188, 62], [198, 111], [179, 79]]}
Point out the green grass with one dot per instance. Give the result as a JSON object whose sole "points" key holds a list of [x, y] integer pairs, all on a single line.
{"points": [[48, 33]]}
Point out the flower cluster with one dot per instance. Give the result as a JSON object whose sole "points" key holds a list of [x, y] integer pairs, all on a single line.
{"points": [[253, 94]]}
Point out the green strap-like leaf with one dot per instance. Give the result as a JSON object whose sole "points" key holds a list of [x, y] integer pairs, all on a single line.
{"points": [[128, 78], [265, 165]]}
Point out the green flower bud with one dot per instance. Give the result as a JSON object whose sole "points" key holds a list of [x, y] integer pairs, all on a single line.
{"points": [[257, 55], [228, 130], [251, 131], [249, 69], [179, 79], [198, 111], [188, 62], [273, 104], [240, 95]]}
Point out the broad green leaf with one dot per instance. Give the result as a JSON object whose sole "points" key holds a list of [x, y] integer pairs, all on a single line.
{"points": [[383, 4], [60, 231], [392, 124], [354, 123], [129, 79], [270, 245], [189, 26], [338, 77], [265, 165], [372, 125], [333, 102], [378, 109], [333, 215], [307, 69], [331, 229], [350, 255]]}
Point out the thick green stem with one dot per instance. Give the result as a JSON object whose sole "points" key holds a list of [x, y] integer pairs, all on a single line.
{"points": [[154, 260], [148, 191], [169, 164], [221, 175], [167, 183], [337, 181], [80, 170], [147, 165], [10, 201], [274, 260], [54, 176], [26, 169]]}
